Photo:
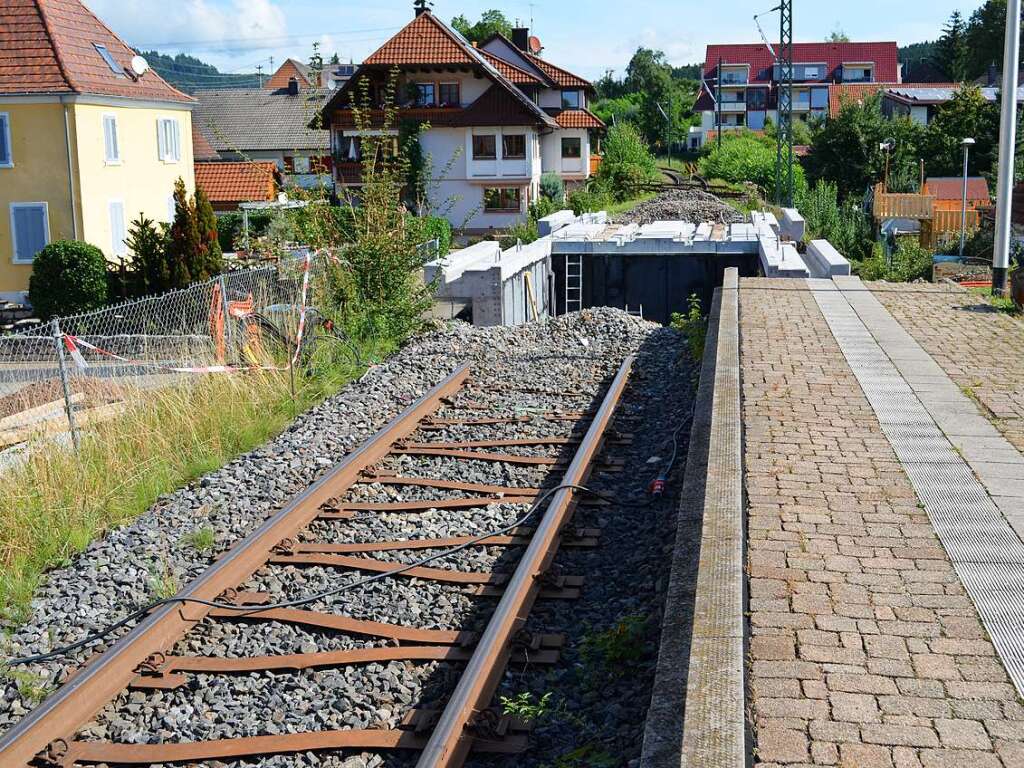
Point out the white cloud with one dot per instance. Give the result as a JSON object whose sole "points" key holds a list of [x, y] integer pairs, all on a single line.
{"points": [[197, 24]]}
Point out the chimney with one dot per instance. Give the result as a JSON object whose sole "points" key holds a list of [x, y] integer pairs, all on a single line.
{"points": [[293, 86], [420, 7], [993, 75], [521, 38]]}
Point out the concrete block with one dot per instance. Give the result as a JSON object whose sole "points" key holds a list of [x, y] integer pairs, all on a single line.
{"points": [[824, 260], [792, 225], [554, 222]]}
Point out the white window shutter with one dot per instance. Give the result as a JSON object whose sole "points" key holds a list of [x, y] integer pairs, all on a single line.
{"points": [[176, 128], [117, 228], [110, 139], [160, 144]]}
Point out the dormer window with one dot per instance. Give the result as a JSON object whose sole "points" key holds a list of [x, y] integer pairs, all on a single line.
{"points": [[570, 99], [105, 55]]}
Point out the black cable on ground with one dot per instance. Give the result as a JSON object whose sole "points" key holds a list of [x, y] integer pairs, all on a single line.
{"points": [[243, 609]]}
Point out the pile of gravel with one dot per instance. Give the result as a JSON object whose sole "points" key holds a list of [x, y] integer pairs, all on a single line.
{"points": [[681, 205], [573, 356]]}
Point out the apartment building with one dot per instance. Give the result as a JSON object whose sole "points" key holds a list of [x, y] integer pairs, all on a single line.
{"points": [[740, 83]]}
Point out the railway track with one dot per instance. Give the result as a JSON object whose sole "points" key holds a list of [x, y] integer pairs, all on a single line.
{"points": [[507, 476]]}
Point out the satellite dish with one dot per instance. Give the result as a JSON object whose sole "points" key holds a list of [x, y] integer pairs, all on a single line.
{"points": [[139, 66], [332, 84]]}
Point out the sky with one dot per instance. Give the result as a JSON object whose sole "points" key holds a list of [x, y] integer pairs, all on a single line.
{"points": [[585, 36]]}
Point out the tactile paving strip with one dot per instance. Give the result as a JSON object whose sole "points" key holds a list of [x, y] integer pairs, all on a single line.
{"points": [[987, 555]]}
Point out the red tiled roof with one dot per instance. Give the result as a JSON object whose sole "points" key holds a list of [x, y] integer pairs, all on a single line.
{"points": [[557, 75], [952, 188], [202, 149], [290, 68], [424, 40], [857, 92], [838, 94], [47, 46], [241, 182], [757, 55], [511, 71], [577, 118]]}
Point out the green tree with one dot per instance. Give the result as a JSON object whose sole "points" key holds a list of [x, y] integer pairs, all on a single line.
{"points": [[148, 265], [491, 22], [950, 54], [68, 277], [211, 257], [985, 33], [846, 149], [612, 110], [627, 161], [185, 241], [746, 157], [966, 115], [837, 36]]}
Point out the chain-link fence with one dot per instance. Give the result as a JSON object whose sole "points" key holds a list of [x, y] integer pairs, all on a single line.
{"points": [[62, 373]]}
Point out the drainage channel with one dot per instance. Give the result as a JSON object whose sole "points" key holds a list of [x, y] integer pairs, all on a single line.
{"points": [[985, 552]]}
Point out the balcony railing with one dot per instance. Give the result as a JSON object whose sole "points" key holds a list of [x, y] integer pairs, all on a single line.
{"points": [[348, 171]]}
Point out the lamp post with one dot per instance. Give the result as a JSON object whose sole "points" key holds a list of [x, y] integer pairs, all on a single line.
{"points": [[887, 146], [966, 144]]}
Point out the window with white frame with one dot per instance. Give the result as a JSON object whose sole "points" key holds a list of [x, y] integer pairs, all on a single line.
{"points": [[570, 99], [572, 147], [168, 139], [111, 147], [118, 232], [171, 208], [6, 158], [30, 230], [485, 146]]}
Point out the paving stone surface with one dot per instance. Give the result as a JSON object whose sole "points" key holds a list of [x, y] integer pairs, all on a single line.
{"points": [[980, 348], [865, 650]]}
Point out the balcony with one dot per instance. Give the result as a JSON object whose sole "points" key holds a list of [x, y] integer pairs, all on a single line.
{"points": [[734, 106], [348, 171]]}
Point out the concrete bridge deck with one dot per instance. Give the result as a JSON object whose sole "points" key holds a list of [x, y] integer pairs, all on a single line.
{"points": [[878, 617]]}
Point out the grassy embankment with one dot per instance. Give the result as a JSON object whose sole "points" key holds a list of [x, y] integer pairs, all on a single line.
{"points": [[58, 501]]}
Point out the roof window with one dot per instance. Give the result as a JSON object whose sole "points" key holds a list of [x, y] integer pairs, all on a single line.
{"points": [[114, 66]]}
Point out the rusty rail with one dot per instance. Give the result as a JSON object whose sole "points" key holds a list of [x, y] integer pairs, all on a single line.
{"points": [[61, 715], [452, 738], [141, 660]]}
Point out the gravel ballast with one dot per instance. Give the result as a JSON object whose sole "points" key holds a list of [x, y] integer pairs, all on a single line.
{"points": [[598, 695], [691, 205]]}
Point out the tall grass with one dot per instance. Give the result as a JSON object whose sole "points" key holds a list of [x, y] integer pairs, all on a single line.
{"points": [[59, 500]]}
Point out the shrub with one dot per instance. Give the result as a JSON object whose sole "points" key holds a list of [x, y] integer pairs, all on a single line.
{"points": [[552, 187], [845, 226], [744, 157], [230, 230], [68, 277], [627, 161], [588, 200], [211, 256], [909, 261], [148, 264], [439, 228], [185, 244]]}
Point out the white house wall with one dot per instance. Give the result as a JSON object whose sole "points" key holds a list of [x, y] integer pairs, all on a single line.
{"points": [[551, 153]]}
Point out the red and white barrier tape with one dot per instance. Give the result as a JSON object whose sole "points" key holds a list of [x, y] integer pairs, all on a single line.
{"points": [[72, 344]]}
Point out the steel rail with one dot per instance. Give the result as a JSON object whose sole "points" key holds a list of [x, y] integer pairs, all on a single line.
{"points": [[62, 714], [451, 740]]}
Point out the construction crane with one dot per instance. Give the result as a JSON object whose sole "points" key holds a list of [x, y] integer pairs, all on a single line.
{"points": [[783, 58]]}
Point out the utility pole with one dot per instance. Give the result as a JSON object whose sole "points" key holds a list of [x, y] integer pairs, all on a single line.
{"points": [[784, 153], [1007, 144], [718, 100], [259, 73]]}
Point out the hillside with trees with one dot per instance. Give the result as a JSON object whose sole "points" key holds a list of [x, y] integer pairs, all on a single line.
{"points": [[187, 73]]}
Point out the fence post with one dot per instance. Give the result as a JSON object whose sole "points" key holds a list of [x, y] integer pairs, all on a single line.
{"points": [[227, 317], [69, 408]]}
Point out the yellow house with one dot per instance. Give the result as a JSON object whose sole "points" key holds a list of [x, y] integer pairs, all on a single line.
{"points": [[90, 138]]}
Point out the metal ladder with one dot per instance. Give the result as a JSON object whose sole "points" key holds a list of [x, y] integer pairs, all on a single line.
{"points": [[573, 282]]}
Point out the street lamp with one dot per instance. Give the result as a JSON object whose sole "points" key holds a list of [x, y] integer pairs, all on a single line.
{"points": [[966, 144], [887, 147]]}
